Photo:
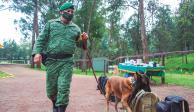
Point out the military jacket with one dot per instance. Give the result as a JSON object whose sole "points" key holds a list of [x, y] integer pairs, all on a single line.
{"points": [[58, 38]]}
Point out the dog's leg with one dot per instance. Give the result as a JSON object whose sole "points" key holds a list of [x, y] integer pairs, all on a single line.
{"points": [[107, 101], [116, 103], [107, 95], [107, 105], [126, 106], [124, 101]]}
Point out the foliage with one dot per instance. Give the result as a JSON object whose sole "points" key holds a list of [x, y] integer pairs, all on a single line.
{"points": [[12, 50], [47, 9], [163, 31], [97, 27], [132, 34], [114, 15], [110, 38], [185, 24]]}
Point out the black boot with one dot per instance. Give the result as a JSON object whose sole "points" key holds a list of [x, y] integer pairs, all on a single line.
{"points": [[62, 108], [54, 107]]}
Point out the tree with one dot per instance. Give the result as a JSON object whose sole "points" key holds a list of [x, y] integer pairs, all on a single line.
{"points": [[12, 50], [31, 9], [185, 22], [132, 34], [143, 32], [114, 13], [9, 50], [163, 31]]}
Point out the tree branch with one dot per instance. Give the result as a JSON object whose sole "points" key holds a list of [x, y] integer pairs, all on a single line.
{"points": [[6, 8]]}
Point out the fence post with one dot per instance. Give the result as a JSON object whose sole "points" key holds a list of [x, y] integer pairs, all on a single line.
{"points": [[163, 59]]}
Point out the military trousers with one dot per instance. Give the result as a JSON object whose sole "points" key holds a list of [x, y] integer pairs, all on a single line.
{"points": [[58, 79]]}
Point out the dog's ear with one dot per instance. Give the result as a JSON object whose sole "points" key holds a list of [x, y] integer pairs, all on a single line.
{"points": [[145, 80], [137, 75]]}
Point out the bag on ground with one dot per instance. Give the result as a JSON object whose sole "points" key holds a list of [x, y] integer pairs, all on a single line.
{"points": [[144, 102], [173, 104]]}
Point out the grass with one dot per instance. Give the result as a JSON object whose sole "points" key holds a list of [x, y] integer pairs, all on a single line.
{"points": [[175, 65], [184, 80], [178, 72], [4, 75], [88, 72], [177, 79]]}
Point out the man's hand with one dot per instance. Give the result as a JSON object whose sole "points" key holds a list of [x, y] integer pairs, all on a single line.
{"points": [[38, 59], [84, 36]]}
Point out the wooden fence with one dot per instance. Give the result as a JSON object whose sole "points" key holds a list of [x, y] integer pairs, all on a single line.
{"points": [[160, 57]]}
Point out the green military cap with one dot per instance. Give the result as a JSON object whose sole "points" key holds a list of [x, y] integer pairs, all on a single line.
{"points": [[66, 5]]}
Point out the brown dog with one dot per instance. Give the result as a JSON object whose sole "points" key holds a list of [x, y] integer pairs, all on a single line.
{"points": [[121, 88]]}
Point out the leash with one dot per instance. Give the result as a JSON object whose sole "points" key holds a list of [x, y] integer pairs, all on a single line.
{"points": [[89, 58], [90, 61]]}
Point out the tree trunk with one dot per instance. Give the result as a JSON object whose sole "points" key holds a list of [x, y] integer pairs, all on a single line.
{"points": [[186, 60], [143, 32], [163, 59], [35, 32]]}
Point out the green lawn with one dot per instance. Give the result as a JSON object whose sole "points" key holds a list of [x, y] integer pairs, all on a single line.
{"points": [[177, 79], [88, 72], [175, 64], [4, 75]]}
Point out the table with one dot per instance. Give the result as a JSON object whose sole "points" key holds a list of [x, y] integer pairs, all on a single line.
{"points": [[148, 70]]}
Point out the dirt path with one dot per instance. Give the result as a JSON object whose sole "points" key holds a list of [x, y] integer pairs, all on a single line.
{"points": [[26, 92]]}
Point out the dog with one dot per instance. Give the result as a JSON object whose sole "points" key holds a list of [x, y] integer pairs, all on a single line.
{"points": [[125, 89], [121, 88], [142, 81]]}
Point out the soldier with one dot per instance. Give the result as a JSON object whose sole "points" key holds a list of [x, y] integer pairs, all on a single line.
{"points": [[59, 40]]}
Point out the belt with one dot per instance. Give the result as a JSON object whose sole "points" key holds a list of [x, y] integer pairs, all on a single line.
{"points": [[59, 56]]}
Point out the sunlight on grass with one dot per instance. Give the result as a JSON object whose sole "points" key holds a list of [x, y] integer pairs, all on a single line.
{"points": [[5, 75]]}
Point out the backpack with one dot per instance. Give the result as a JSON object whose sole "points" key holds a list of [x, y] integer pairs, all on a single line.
{"points": [[173, 104], [102, 84], [144, 102]]}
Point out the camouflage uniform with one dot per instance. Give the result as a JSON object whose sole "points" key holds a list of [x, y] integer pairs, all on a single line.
{"points": [[58, 38]]}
